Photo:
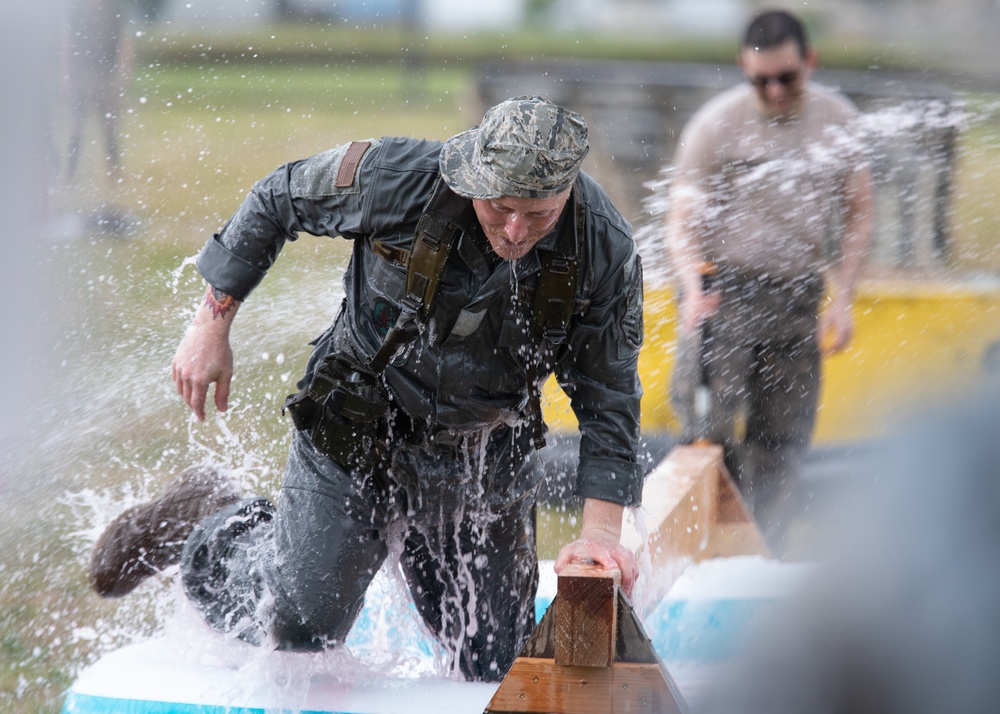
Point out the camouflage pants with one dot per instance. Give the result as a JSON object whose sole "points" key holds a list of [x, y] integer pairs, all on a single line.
{"points": [[756, 365]]}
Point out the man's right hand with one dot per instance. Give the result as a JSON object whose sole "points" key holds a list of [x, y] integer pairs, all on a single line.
{"points": [[205, 357]]}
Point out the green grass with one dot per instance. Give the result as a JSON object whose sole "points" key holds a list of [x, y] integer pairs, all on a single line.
{"points": [[330, 44]]}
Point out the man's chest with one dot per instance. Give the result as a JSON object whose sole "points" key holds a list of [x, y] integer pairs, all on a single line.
{"points": [[759, 161]]}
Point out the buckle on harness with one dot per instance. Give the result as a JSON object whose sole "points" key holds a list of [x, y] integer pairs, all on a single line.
{"points": [[559, 264]]}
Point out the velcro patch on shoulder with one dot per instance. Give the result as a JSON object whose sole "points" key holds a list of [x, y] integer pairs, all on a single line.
{"points": [[349, 164]]}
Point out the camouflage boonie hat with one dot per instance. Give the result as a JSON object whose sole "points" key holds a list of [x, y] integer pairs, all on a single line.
{"points": [[525, 147]]}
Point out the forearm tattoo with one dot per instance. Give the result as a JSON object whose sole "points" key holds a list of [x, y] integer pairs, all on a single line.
{"points": [[219, 302]]}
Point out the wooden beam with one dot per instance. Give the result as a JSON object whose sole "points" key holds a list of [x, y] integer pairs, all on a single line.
{"points": [[692, 510], [540, 685], [588, 655], [586, 616], [734, 530], [677, 502]]}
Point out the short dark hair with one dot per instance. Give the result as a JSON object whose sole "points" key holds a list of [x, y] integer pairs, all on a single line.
{"points": [[773, 28]]}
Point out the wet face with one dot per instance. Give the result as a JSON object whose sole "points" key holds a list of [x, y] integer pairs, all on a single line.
{"points": [[778, 76], [514, 225]]}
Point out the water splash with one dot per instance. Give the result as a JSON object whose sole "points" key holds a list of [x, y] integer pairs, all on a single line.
{"points": [[874, 139]]}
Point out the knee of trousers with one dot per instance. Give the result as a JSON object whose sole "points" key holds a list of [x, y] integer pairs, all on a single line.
{"points": [[222, 568], [231, 573], [326, 552]]}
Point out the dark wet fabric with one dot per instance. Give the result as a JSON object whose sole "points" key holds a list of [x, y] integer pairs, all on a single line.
{"points": [[449, 486], [294, 576], [762, 361], [469, 367]]}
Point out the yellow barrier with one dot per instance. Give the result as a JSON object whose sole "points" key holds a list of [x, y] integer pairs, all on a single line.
{"points": [[915, 341]]}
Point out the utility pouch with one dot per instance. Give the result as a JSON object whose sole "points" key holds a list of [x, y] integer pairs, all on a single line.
{"points": [[339, 410]]}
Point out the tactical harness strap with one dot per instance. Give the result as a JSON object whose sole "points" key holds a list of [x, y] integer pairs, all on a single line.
{"points": [[431, 245], [555, 296], [553, 303]]}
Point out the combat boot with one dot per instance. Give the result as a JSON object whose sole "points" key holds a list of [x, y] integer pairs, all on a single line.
{"points": [[149, 537]]}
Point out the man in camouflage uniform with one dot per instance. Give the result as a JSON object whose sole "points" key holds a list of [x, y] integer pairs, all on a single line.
{"points": [[432, 456], [759, 171]]}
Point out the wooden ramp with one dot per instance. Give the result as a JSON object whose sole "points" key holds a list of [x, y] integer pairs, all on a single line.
{"points": [[590, 654], [693, 511]]}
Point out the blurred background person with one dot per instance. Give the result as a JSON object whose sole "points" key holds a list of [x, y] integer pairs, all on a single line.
{"points": [[97, 63], [755, 188]]}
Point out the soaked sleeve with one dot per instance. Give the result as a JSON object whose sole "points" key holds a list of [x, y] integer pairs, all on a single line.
{"points": [[599, 373], [321, 196]]}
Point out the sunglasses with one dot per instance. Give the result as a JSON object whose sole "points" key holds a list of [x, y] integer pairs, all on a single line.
{"points": [[761, 81]]}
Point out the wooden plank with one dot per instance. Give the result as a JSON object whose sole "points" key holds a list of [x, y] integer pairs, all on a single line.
{"points": [[601, 659], [540, 685], [733, 531], [633, 644], [692, 511], [592, 655], [542, 642], [678, 507], [586, 615]]}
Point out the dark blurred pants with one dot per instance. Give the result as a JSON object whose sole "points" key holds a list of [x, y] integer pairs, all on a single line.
{"points": [[760, 356], [294, 575]]}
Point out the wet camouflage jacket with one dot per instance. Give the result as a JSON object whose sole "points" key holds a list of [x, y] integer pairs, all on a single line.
{"points": [[468, 369]]}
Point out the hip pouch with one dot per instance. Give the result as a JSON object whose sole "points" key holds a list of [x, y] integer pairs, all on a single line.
{"points": [[339, 410]]}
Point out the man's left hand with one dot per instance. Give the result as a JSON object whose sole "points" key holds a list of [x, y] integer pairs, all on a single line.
{"points": [[604, 551]]}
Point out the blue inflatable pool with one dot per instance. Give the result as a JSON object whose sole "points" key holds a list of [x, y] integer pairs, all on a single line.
{"points": [[389, 665]]}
